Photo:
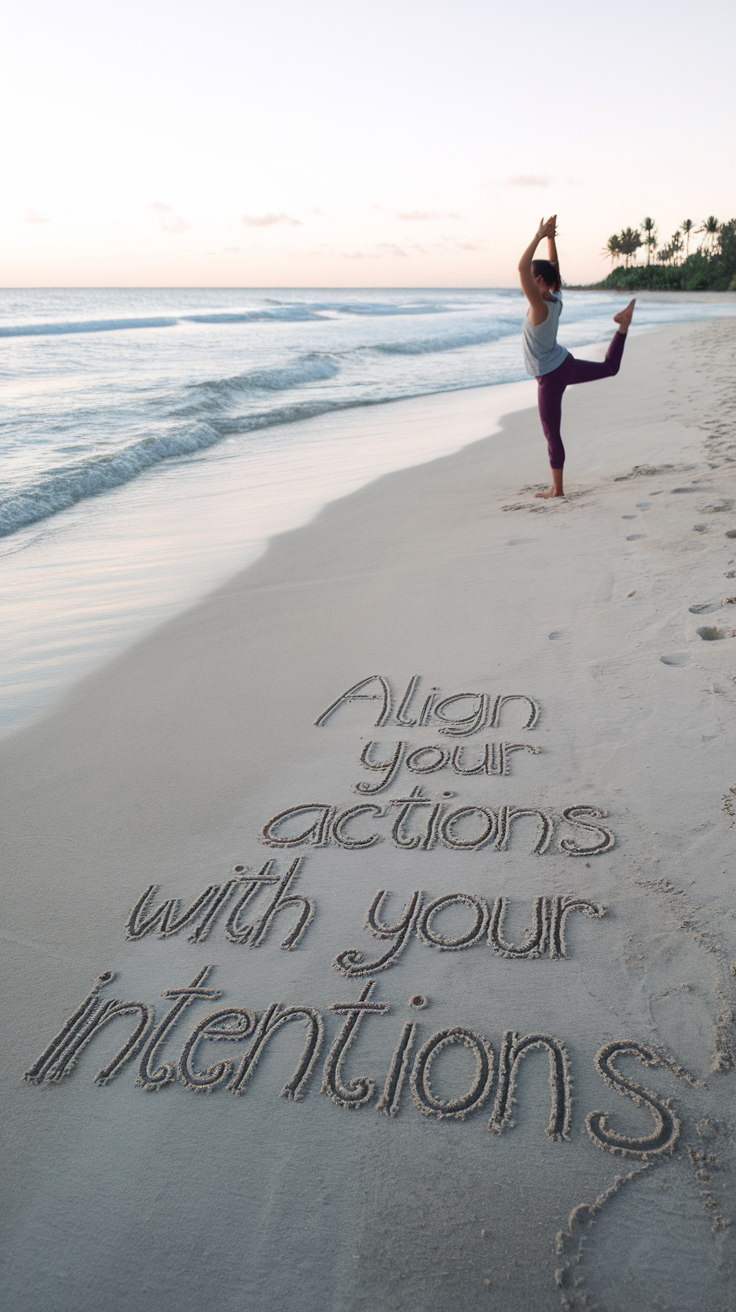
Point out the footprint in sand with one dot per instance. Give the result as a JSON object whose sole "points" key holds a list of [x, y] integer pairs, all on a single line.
{"points": [[718, 508], [628, 516], [676, 658], [731, 532], [634, 537], [700, 528], [711, 633], [703, 607], [556, 634], [643, 505]]}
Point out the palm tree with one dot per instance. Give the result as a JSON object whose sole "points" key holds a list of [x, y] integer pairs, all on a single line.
{"points": [[630, 240], [676, 245], [710, 227], [649, 228], [686, 228], [612, 248]]}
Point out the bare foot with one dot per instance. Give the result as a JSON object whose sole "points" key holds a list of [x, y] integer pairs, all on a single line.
{"points": [[624, 317], [556, 488]]}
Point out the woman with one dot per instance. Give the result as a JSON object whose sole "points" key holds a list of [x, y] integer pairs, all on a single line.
{"points": [[553, 366]]}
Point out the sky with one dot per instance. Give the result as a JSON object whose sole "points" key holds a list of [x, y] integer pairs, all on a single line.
{"points": [[330, 144]]}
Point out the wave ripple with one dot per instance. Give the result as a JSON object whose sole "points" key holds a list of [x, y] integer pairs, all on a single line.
{"points": [[66, 486]]}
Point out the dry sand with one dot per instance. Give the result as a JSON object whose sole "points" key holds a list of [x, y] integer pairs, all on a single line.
{"points": [[164, 767]]}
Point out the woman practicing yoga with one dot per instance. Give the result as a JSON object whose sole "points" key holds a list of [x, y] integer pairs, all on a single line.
{"points": [[553, 366]]}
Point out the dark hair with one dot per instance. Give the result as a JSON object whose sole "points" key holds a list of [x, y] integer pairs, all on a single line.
{"points": [[548, 271]]}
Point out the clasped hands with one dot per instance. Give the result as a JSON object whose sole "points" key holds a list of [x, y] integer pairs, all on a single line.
{"points": [[547, 227]]}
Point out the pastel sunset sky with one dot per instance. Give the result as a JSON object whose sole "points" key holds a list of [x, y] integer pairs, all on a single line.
{"points": [[390, 143]]}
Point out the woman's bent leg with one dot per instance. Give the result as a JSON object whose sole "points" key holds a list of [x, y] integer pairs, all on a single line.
{"points": [[587, 371]]}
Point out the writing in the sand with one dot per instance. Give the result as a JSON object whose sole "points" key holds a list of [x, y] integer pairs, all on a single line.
{"points": [[419, 821], [234, 905], [415, 1058], [458, 715], [417, 818], [272, 904]]}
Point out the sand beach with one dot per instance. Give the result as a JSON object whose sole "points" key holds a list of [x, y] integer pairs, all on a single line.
{"points": [[443, 784]]}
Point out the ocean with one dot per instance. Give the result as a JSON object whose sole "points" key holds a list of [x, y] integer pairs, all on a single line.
{"points": [[153, 440]]}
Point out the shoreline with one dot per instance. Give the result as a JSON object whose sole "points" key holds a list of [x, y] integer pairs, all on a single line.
{"points": [[163, 543], [95, 578], [705, 298], [164, 767]]}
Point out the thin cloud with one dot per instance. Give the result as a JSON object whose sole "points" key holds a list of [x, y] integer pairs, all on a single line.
{"points": [[527, 180], [452, 244], [170, 220], [33, 216], [419, 216], [391, 250], [382, 250], [269, 220]]}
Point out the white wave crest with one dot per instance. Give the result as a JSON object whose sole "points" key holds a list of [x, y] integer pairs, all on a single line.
{"points": [[290, 313], [307, 369], [277, 312], [450, 342], [65, 487], [84, 326]]}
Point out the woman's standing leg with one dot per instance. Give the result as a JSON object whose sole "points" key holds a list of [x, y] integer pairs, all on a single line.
{"points": [[550, 391]]}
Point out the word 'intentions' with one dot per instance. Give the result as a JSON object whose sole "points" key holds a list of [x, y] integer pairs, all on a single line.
{"points": [[236, 1024]]}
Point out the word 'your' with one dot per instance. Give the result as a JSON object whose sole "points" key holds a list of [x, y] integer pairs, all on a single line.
{"points": [[492, 759], [546, 932]]}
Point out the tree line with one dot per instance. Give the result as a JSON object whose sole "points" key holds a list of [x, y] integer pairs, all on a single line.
{"points": [[711, 266]]}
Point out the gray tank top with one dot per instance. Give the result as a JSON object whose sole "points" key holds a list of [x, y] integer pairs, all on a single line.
{"points": [[542, 351]]}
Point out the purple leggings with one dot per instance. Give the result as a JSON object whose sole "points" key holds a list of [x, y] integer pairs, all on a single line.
{"points": [[552, 386]]}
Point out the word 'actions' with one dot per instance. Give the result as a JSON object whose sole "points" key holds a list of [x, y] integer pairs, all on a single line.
{"points": [[459, 715], [547, 930], [420, 822], [236, 1024]]}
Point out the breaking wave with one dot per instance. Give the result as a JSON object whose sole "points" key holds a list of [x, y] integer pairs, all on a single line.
{"points": [[85, 326], [66, 486], [293, 312], [311, 368], [449, 342]]}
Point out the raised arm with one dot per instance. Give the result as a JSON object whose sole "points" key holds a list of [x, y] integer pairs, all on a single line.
{"points": [[537, 303], [552, 245]]}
